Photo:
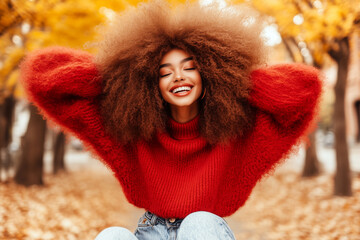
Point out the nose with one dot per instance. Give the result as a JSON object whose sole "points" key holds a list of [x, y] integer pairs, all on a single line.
{"points": [[179, 77]]}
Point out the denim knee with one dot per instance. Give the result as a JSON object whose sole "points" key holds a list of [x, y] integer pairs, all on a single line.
{"points": [[204, 225], [202, 217], [115, 233]]}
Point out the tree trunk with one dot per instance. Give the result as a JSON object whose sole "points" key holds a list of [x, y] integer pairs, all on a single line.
{"points": [[59, 152], [342, 185], [9, 120], [311, 167], [6, 119], [286, 42], [2, 138], [30, 169], [9, 117], [357, 107]]}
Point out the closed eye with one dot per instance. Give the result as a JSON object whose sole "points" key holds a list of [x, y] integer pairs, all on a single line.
{"points": [[189, 68], [165, 75]]}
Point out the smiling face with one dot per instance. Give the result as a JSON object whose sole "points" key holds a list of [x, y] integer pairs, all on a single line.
{"points": [[180, 81]]}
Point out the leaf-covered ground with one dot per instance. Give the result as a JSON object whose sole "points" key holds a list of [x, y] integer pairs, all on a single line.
{"points": [[78, 205], [287, 207]]}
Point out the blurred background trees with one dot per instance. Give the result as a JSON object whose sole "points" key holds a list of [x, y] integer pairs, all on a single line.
{"points": [[313, 32], [26, 26]]}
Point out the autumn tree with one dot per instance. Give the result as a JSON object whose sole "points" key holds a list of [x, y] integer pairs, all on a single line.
{"points": [[56, 22], [324, 28], [9, 57]]}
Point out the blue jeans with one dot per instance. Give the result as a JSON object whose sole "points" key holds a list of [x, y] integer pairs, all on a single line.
{"points": [[197, 225]]}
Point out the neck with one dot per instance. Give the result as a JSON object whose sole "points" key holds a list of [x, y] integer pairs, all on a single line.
{"points": [[183, 114]]}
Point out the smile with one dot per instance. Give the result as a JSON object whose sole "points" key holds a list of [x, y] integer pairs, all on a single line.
{"points": [[181, 90]]}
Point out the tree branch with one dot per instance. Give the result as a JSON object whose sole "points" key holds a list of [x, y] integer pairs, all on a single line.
{"points": [[288, 48], [340, 45]]}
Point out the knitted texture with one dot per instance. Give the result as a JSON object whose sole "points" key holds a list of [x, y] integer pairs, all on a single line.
{"points": [[178, 172]]}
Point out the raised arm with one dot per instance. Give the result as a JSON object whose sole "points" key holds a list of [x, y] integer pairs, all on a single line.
{"points": [[286, 97], [288, 92], [56, 73], [65, 84]]}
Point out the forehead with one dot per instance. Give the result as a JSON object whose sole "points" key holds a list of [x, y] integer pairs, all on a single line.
{"points": [[174, 56]]}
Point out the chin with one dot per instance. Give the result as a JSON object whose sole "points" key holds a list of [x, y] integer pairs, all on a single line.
{"points": [[177, 104], [183, 102]]}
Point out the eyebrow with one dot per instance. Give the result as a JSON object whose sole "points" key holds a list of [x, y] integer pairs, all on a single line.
{"points": [[182, 61]]}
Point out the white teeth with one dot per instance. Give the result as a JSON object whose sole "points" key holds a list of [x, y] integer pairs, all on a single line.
{"points": [[179, 89]]}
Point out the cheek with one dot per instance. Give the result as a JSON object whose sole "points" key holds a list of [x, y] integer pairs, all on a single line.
{"points": [[163, 87], [199, 83]]}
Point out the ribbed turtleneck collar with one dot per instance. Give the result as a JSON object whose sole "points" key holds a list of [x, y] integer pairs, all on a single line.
{"points": [[189, 130]]}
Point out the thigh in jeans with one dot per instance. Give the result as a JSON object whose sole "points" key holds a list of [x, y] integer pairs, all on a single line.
{"points": [[115, 233], [204, 226]]}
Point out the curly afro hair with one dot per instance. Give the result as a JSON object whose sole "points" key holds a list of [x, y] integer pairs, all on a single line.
{"points": [[226, 47]]}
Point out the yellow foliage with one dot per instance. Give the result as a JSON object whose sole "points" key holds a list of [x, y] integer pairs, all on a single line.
{"points": [[13, 59], [12, 85], [5, 42], [71, 24], [316, 22], [12, 80], [8, 76], [8, 16], [53, 22]]}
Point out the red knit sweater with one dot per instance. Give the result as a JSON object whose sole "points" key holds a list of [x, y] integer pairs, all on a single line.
{"points": [[178, 172]]}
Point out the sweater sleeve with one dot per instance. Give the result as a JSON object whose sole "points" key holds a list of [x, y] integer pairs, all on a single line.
{"points": [[288, 92], [287, 97], [59, 72], [65, 84]]}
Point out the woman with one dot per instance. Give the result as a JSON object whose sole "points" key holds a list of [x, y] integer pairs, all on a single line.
{"points": [[178, 105]]}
